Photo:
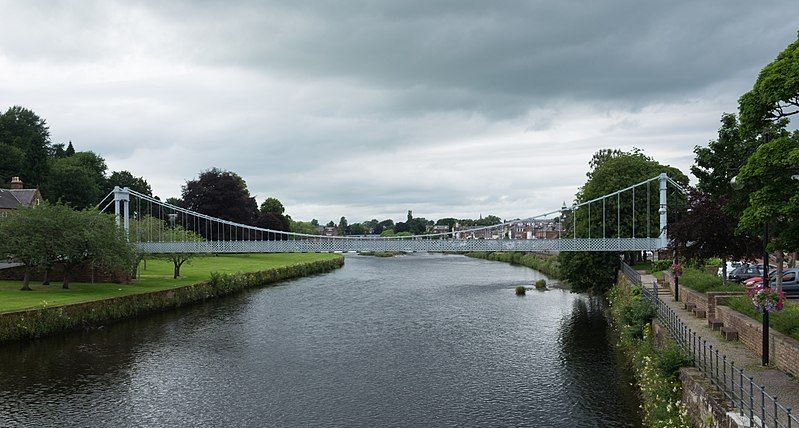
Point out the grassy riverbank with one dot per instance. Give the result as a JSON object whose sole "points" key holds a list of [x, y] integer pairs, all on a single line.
{"points": [[656, 369], [92, 305], [548, 265], [158, 276]]}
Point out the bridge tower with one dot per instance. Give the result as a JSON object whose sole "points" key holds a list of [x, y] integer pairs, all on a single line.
{"points": [[664, 239], [122, 207]]}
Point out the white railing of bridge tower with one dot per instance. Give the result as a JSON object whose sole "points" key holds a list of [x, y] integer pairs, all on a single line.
{"points": [[156, 226]]}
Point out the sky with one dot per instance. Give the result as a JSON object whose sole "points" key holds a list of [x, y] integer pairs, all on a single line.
{"points": [[367, 109]]}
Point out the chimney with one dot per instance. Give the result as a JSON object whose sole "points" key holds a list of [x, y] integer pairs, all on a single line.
{"points": [[16, 183]]}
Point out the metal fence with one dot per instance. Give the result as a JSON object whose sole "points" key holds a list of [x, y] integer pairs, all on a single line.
{"points": [[750, 399], [631, 274]]}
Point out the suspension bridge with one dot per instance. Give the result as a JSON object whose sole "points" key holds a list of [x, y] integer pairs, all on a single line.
{"points": [[629, 219]]}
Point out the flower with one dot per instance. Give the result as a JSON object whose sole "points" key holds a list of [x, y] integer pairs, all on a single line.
{"points": [[676, 269], [767, 299]]}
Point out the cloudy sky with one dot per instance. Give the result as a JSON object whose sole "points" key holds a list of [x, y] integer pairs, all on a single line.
{"points": [[370, 108]]}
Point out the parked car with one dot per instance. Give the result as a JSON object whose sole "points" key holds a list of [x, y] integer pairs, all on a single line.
{"points": [[746, 271], [731, 266], [790, 282]]}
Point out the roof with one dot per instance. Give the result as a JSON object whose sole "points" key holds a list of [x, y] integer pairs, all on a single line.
{"points": [[11, 199], [24, 196], [8, 200]]}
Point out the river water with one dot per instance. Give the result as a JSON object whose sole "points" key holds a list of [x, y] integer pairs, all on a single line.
{"points": [[417, 340]]}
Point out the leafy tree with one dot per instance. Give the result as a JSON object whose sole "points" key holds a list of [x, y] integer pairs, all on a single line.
{"points": [[12, 161], [23, 129], [315, 222], [330, 224], [126, 179], [447, 221], [706, 230], [488, 220], [179, 234], [358, 229], [401, 227], [77, 181], [47, 234], [773, 199], [387, 233], [221, 194], [716, 164], [303, 227], [386, 224], [70, 151], [775, 95], [343, 228], [91, 237], [272, 205], [22, 235], [613, 170]]}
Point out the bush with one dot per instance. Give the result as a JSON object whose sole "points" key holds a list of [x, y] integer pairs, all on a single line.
{"points": [[703, 281], [541, 284], [634, 315], [663, 264], [520, 290], [785, 321]]}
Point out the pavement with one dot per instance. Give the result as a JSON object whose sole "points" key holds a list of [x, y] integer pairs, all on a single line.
{"points": [[776, 382]]}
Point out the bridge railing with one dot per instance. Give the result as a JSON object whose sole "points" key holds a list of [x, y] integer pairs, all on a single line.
{"points": [[753, 404]]}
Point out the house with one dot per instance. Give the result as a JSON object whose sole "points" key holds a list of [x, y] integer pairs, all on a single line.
{"points": [[16, 196]]}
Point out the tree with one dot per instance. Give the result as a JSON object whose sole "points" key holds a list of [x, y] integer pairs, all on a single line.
{"points": [[315, 222], [613, 170], [330, 224], [303, 227], [47, 234], [775, 95], [179, 234], [716, 164], [221, 194], [358, 229], [91, 237], [77, 181], [767, 178], [127, 179], [706, 230], [12, 161], [22, 235], [23, 129], [272, 205], [342, 226], [273, 221], [70, 151]]}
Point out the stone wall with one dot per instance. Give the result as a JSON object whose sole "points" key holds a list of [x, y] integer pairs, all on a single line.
{"points": [[784, 350], [707, 407]]}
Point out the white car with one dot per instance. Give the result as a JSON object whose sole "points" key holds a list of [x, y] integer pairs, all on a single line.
{"points": [[730, 267]]}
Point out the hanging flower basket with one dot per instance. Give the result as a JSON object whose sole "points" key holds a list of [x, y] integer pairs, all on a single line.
{"points": [[676, 269], [767, 299]]}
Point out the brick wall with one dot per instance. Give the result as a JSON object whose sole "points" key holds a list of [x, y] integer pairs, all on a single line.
{"points": [[784, 350]]}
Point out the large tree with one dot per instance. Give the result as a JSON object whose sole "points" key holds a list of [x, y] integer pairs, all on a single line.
{"points": [[612, 170], [24, 130], [775, 94], [221, 194], [127, 179], [78, 180]]}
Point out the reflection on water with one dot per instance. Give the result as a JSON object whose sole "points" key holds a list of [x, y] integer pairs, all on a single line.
{"points": [[406, 341]]}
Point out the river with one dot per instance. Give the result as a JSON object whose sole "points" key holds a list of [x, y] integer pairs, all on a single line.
{"points": [[417, 340]]}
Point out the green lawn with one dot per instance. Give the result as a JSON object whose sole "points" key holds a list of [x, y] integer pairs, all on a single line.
{"points": [[158, 276], [785, 321]]}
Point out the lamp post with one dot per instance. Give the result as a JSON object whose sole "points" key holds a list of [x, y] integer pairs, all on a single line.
{"points": [[765, 348]]}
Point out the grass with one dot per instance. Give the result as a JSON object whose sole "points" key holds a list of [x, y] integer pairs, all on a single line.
{"points": [[703, 281], [785, 321], [158, 276]]}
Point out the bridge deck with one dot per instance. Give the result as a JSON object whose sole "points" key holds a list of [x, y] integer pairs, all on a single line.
{"points": [[406, 245]]}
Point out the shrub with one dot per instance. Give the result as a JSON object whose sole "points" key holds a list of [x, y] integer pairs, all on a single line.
{"points": [[548, 265], [664, 264], [541, 284], [520, 290], [703, 281]]}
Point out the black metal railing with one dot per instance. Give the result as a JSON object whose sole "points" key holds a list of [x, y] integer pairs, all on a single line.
{"points": [[631, 274], [750, 399]]}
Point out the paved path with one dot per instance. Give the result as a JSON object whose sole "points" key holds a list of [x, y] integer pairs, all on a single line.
{"points": [[776, 382]]}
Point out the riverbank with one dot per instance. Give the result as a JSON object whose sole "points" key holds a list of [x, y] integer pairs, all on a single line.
{"points": [[50, 309], [656, 366], [546, 264]]}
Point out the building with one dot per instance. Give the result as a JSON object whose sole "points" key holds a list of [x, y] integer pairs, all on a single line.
{"points": [[17, 196]]}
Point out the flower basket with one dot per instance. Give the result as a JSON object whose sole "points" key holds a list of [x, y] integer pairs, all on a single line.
{"points": [[767, 299], [676, 269]]}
